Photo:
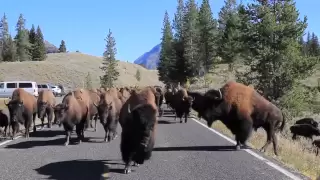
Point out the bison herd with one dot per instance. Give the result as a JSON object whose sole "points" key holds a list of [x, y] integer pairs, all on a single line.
{"points": [[239, 107]]}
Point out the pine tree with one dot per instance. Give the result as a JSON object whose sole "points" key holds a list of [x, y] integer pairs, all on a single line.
{"points": [[39, 49], [109, 64], [275, 58], [229, 33], [62, 48], [32, 40], [22, 41], [208, 36], [8, 50], [166, 59], [138, 75], [314, 45]]}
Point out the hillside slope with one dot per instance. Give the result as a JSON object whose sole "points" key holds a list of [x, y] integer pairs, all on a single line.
{"points": [[150, 59], [70, 69]]}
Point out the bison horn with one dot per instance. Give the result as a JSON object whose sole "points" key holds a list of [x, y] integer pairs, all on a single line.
{"points": [[220, 94], [129, 111], [5, 102]]}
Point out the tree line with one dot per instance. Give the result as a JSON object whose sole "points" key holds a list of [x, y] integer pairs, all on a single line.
{"points": [[266, 36], [27, 45]]}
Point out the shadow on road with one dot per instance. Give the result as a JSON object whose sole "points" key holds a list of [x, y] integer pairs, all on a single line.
{"points": [[47, 133], [196, 148], [167, 122], [35, 143], [75, 169]]}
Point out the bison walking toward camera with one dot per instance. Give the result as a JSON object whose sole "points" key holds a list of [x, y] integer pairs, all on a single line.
{"points": [[139, 119], [241, 109], [46, 102], [5, 120], [23, 109], [309, 121], [305, 130]]}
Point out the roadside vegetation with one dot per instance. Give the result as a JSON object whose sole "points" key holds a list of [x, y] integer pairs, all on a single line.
{"points": [[260, 44]]}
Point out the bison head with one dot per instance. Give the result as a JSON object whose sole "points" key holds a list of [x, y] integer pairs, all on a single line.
{"points": [[104, 110], [16, 109], [42, 109], [60, 113], [209, 106]]}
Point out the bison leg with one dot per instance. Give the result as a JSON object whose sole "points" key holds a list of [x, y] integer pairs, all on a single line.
{"points": [[50, 117], [5, 130], [294, 136], [42, 122], [27, 125], [34, 122], [79, 131], [269, 137], [15, 129], [68, 133], [317, 151], [95, 122], [106, 130], [127, 168], [275, 143]]}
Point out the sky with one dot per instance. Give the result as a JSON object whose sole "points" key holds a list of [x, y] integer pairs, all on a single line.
{"points": [[136, 25]]}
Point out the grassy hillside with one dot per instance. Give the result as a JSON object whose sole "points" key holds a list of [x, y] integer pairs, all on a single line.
{"points": [[70, 70]]}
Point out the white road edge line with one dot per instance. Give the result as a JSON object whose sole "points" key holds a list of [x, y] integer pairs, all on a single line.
{"points": [[275, 166], [17, 137]]}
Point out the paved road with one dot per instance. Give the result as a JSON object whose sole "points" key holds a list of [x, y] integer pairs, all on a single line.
{"points": [[182, 151]]}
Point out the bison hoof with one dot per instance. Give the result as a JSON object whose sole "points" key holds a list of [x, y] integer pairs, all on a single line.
{"points": [[237, 147], [66, 143], [136, 164], [127, 170]]}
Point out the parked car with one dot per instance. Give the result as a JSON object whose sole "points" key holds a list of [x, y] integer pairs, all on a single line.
{"points": [[56, 90], [7, 88]]}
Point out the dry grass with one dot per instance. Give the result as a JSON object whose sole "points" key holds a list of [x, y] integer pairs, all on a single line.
{"points": [[70, 69], [298, 154], [291, 153], [2, 105]]}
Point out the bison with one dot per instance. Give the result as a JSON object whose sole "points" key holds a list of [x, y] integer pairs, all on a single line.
{"points": [[46, 102], [72, 112], [182, 103], [241, 109], [109, 110], [316, 143], [5, 120], [310, 121], [94, 99], [23, 109], [159, 99], [305, 130], [138, 134], [84, 95]]}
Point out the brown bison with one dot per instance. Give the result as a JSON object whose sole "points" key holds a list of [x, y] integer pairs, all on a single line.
{"points": [[5, 120], [23, 109], [109, 110], [46, 102], [139, 119], [305, 130], [316, 143], [310, 121], [83, 95], [72, 112], [240, 108], [182, 103], [94, 99], [159, 99]]}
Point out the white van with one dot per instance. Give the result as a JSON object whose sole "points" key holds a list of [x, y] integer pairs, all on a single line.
{"points": [[7, 87]]}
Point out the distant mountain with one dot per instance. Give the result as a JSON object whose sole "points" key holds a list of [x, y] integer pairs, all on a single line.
{"points": [[150, 60], [50, 47]]}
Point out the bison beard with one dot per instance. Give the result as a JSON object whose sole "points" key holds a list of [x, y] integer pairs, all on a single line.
{"points": [[137, 138]]}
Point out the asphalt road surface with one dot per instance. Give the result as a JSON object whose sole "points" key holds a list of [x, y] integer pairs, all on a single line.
{"points": [[182, 151]]}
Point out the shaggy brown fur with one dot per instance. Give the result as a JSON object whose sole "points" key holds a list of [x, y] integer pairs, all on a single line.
{"points": [[26, 114], [46, 102]]}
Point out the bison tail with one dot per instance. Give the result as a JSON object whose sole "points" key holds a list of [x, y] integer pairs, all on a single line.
{"points": [[283, 122]]}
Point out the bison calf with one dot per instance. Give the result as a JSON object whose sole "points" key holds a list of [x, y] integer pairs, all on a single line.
{"points": [[137, 138], [310, 121], [317, 144], [5, 120], [46, 101], [304, 130]]}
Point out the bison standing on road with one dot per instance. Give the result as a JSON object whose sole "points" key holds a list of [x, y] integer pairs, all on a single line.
{"points": [[23, 109], [109, 110], [310, 121], [240, 108], [46, 102], [72, 112], [94, 99], [5, 120], [139, 118], [305, 130], [159, 99], [182, 103]]}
